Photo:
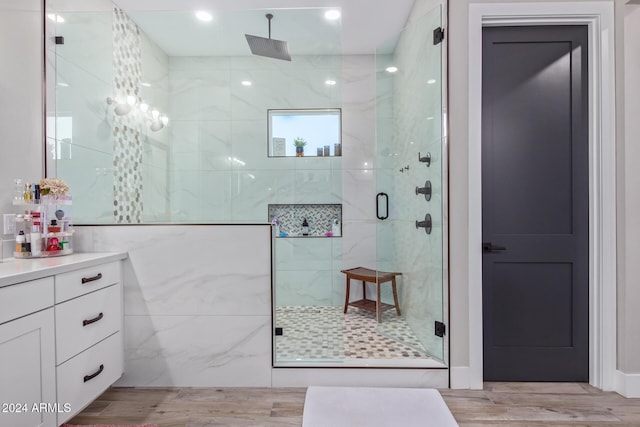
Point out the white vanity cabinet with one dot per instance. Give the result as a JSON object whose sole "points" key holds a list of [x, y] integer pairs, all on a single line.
{"points": [[27, 354], [89, 346], [61, 340]]}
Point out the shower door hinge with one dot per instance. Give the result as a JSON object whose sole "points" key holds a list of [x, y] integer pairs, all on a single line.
{"points": [[440, 329], [59, 40], [438, 35], [278, 331]]}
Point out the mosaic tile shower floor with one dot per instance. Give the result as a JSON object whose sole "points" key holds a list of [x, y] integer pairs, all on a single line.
{"points": [[325, 334]]}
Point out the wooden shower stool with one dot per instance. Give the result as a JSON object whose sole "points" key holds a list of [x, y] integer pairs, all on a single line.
{"points": [[371, 276]]}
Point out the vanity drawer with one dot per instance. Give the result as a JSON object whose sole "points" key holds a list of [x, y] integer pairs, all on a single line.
{"points": [[82, 322], [25, 298], [79, 282], [83, 378]]}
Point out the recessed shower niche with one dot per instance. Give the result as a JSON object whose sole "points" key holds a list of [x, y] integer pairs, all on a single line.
{"points": [[321, 220]]}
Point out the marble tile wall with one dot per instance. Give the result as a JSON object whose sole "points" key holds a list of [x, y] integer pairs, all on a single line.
{"points": [[417, 87], [156, 145], [197, 302], [220, 171], [84, 78]]}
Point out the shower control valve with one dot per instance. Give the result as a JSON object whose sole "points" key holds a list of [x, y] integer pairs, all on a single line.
{"points": [[426, 159], [426, 190], [426, 224]]}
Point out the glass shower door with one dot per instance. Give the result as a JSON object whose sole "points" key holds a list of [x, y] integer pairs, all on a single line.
{"points": [[411, 157]]}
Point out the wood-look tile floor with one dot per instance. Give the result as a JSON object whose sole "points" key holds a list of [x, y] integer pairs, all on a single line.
{"points": [[498, 405]]}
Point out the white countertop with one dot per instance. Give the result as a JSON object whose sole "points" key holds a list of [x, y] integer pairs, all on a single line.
{"points": [[14, 271]]}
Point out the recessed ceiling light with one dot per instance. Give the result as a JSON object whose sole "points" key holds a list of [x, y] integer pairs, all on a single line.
{"points": [[55, 18], [246, 83], [330, 82], [391, 69], [431, 81], [204, 15], [332, 14]]}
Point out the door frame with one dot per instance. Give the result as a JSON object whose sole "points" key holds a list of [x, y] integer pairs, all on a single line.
{"points": [[599, 17]]}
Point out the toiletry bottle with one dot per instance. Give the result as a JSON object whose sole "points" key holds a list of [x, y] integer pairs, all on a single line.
{"points": [[54, 227], [275, 226], [305, 227], [21, 241], [27, 192], [336, 230], [18, 194], [36, 238]]}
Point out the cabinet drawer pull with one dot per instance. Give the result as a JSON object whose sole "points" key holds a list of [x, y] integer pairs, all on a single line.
{"points": [[91, 279], [94, 320], [95, 374]]}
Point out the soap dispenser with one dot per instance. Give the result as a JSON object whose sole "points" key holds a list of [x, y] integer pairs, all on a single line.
{"points": [[305, 227]]}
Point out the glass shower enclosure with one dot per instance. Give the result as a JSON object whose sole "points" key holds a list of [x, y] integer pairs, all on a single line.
{"points": [[367, 324], [411, 186]]}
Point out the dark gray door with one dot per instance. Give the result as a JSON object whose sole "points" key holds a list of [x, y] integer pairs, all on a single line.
{"points": [[535, 203]]}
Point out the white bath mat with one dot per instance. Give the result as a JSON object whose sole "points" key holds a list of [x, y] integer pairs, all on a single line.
{"points": [[375, 407]]}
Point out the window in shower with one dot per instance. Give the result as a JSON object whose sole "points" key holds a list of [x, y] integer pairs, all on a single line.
{"points": [[312, 132]]}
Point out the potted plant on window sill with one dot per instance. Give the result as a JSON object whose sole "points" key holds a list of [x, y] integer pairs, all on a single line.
{"points": [[299, 143]]}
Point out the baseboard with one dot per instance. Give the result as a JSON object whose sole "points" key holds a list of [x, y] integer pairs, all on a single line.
{"points": [[378, 377], [627, 385], [460, 377]]}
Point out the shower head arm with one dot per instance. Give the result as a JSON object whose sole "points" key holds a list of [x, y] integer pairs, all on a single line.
{"points": [[269, 17]]}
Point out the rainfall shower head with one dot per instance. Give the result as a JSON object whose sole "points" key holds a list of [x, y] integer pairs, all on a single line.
{"points": [[271, 48]]}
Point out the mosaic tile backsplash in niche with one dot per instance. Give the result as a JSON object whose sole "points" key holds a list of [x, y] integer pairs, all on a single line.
{"points": [[320, 218]]}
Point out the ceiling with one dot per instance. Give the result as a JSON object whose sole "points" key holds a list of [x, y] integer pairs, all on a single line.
{"points": [[361, 29]]}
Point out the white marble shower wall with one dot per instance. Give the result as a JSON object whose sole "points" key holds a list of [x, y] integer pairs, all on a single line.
{"points": [[84, 148], [220, 171], [83, 133], [419, 256], [197, 302], [156, 148]]}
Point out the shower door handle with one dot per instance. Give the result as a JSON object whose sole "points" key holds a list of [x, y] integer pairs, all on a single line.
{"points": [[386, 209]]}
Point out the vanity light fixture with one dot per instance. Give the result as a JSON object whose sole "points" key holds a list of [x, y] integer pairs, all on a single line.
{"points": [[122, 108], [156, 120], [391, 69], [55, 18], [330, 82], [204, 16], [159, 123], [332, 14]]}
